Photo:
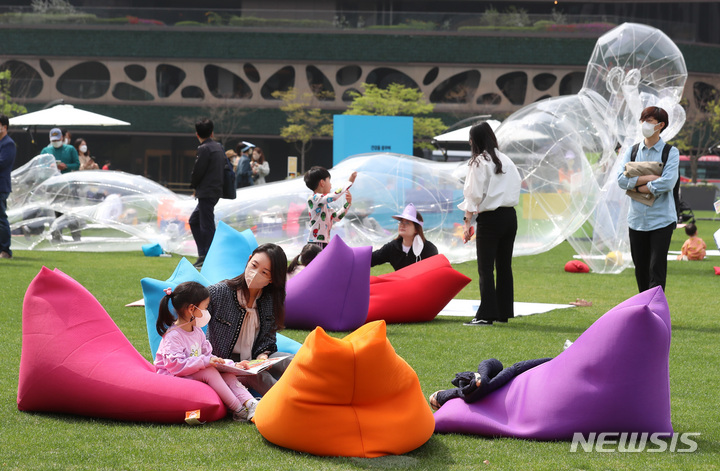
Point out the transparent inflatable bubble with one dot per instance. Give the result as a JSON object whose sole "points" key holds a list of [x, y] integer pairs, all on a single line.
{"points": [[565, 149]]}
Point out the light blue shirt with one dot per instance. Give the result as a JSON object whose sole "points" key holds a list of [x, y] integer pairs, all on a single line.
{"points": [[662, 213]]}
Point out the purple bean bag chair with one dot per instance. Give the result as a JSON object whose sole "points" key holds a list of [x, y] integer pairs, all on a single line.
{"points": [[333, 292], [614, 378]]}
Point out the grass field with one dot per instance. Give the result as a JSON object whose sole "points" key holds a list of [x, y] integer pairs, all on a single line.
{"points": [[436, 350]]}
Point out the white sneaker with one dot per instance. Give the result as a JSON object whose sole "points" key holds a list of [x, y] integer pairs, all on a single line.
{"points": [[247, 412]]}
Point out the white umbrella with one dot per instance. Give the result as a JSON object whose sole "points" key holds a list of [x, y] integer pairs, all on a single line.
{"points": [[65, 115], [463, 134]]}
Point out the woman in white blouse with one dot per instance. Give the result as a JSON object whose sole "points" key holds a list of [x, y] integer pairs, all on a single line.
{"points": [[492, 190]]}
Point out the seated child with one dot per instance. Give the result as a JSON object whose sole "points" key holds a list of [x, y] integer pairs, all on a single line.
{"points": [[472, 387], [184, 350], [694, 247], [322, 214], [306, 255]]}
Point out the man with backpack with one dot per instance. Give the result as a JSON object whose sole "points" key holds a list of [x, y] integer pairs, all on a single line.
{"points": [[651, 225]]}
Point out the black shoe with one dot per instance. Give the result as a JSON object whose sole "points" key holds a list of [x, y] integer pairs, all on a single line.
{"points": [[478, 322], [199, 262]]}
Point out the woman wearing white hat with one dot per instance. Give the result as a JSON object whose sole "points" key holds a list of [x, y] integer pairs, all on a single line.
{"points": [[410, 246]]}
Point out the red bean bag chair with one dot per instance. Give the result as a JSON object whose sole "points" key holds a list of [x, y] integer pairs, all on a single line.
{"points": [[347, 397], [576, 266], [614, 378], [416, 293], [75, 360]]}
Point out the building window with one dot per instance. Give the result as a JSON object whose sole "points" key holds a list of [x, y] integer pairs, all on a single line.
{"points": [[168, 78], [543, 82], [193, 92], [135, 72], [281, 81], [224, 84], [383, 77], [489, 99], [87, 80], [47, 68], [348, 75], [319, 84], [251, 73], [513, 85], [459, 88], [25, 81], [572, 83], [127, 92], [348, 95], [431, 76]]}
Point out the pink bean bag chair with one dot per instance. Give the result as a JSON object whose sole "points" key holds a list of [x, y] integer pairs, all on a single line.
{"points": [[416, 293], [614, 378], [333, 291], [75, 360]]}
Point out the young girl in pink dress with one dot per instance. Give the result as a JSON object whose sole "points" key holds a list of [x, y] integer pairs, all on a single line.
{"points": [[184, 351]]}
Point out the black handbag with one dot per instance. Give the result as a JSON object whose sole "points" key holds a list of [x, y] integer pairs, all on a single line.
{"points": [[229, 191]]}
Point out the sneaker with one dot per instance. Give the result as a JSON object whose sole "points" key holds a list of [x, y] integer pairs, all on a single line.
{"points": [[199, 262], [5, 255], [247, 412], [478, 322]]}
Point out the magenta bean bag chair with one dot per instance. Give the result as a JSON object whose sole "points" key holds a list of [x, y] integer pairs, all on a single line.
{"points": [[333, 291], [416, 293], [614, 378], [75, 360]]}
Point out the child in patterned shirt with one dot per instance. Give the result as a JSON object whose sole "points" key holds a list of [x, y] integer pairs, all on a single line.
{"points": [[322, 214]]}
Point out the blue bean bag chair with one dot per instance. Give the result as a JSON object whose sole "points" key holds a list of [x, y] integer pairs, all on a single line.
{"points": [[75, 360], [228, 253], [614, 378], [332, 292]]}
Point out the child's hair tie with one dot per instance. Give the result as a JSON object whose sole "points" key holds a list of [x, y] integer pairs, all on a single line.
{"points": [[168, 291]]}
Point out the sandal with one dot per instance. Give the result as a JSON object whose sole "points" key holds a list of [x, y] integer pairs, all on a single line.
{"points": [[434, 405]]}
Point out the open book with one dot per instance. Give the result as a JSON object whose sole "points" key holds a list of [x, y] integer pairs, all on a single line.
{"points": [[256, 366]]}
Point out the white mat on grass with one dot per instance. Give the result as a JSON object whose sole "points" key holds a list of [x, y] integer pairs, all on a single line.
{"points": [[468, 308], [138, 303]]}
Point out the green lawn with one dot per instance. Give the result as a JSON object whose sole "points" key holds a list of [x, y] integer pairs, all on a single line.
{"points": [[436, 350]]}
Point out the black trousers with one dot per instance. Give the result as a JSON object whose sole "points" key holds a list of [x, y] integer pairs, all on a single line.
{"points": [[649, 251], [202, 224], [494, 241]]}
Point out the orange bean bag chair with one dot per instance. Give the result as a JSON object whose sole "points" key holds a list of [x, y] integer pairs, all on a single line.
{"points": [[347, 397], [75, 360], [416, 293]]}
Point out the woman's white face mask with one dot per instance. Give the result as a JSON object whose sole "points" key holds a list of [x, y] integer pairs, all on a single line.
{"points": [[648, 129]]}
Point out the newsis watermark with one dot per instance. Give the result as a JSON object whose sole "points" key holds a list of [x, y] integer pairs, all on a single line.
{"points": [[615, 442]]}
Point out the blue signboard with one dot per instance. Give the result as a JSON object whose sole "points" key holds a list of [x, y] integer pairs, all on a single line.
{"points": [[362, 134]]}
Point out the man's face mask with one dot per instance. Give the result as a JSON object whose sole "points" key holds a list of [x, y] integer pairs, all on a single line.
{"points": [[57, 144]]}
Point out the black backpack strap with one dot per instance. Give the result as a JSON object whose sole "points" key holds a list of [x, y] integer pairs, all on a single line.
{"points": [[666, 153], [633, 152]]}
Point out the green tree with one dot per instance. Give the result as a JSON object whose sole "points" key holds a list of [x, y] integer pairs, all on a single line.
{"points": [[229, 121], [398, 100], [303, 122], [7, 106], [701, 130]]}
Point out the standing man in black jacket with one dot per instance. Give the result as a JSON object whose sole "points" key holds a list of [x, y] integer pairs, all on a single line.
{"points": [[207, 185]]}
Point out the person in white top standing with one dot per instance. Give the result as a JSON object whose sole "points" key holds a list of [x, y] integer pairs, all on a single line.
{"points": [[491, 191]]}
